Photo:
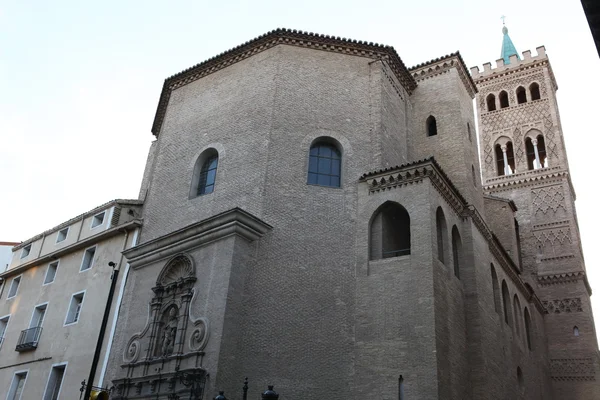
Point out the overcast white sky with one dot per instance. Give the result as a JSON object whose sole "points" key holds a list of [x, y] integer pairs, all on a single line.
{"points": [[80, 81]]}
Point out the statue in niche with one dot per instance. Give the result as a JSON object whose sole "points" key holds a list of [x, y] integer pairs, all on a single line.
{"points": [[169, 332]]}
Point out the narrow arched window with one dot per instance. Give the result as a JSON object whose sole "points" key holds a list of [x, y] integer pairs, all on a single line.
{"points": [[517, 314], [530, 154], [521, 95], [457, 255], [528, 328], [442, 233], [499, 160], [541, 145], [469, 132], [503, 96], [534, 90], [324, 165], [495, 289], [510, 156], [506, 303], [389, 234], [474, 176], [205, 173], [575, 331], [491, 102], [431, 124]]}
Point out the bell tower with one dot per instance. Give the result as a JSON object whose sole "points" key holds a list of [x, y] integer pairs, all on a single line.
{"points": [[524, 159]]}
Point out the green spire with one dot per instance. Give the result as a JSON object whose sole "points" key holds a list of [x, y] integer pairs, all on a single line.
{"points": [[508, 48]]}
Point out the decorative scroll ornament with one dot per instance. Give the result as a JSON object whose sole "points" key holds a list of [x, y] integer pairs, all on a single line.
{"points": [[199, 336]]}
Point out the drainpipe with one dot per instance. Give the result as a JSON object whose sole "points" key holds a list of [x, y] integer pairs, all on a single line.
{"points": [[111, 292]]}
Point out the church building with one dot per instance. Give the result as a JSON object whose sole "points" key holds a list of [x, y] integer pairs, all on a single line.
{"points": [[316, 217]]}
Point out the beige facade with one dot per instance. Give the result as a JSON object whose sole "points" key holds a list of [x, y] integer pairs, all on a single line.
{"points": [[52, 301]]}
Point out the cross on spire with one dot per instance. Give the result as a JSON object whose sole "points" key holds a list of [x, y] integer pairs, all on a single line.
{"points": [[503, 18]]}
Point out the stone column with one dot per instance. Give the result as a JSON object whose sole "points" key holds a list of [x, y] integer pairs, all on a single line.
{"points": [[505, 157], [537, 154]]}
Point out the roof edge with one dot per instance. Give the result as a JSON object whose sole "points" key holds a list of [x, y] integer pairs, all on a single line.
{"points": [[462, 68], [271, 39]]}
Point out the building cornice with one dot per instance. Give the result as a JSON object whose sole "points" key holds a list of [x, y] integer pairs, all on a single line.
{"points": [[410, 173], [274, 38], [84, 243], [234, 222], [86, 214], [443, 64]]}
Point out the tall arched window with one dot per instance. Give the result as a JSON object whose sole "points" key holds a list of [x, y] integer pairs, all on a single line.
{"points": [[442, 234], [457, 256], [469, 132], [473, 175], [528, 328], [541, 145], [324, 164], [431, 125], [505, 163], [389, 232], [496, 289], [534, 89], [205, 173], [521, 95], [518, 315], [503, 96], [530, 154], [491, 102], [506, 303]]}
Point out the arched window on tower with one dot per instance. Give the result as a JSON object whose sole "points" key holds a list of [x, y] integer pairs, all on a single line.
{"points": [[521, 95], [205, 173], [442, 234], [534, 90], [541, 145], [431, 125], [528, 329], [505, 159], [531, 162], [495, 289], [491, 102], [325, 163], [506, 303], [389, 232], [457, 254], [503, 96], [575, 331]]}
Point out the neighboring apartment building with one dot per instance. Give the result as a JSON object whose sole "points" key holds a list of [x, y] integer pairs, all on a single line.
{"points": [[6, 254], [52, 302], [314, 218]]}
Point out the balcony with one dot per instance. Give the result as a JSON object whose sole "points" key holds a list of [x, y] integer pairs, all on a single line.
{"points": [[29, 339]]}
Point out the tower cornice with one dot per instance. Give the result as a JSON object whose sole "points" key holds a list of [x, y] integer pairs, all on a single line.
{"points": [[442, 65]]}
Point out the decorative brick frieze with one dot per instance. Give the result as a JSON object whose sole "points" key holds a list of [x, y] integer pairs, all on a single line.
{"points": [[558, 306], [572, 369], [549, 198]]}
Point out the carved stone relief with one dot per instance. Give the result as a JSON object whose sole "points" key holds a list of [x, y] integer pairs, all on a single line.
{"points": [[172, 341]]}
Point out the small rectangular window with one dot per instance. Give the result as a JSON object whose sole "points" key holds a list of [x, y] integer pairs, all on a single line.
{"points": [[62, 235], [98, 219], [74, 308], [88, 259], [3, 326], [16, 387], [14, 287], [26, 250], [39, 312], [51, 272], [54, 382]]}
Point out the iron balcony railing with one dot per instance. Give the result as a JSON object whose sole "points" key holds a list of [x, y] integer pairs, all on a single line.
{"points": [[29, 339]]}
